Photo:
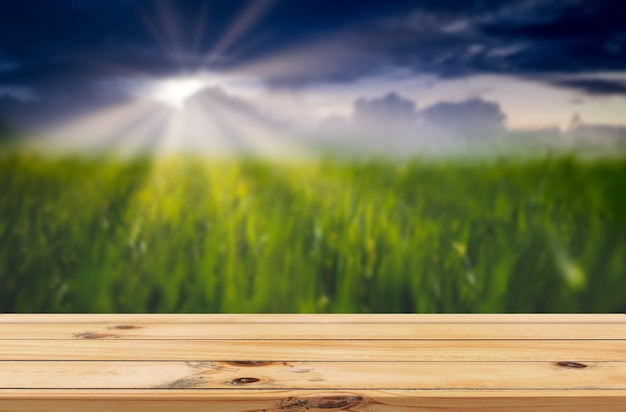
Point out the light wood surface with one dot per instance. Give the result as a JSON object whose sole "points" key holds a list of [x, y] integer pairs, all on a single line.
{"points": [[256, 363], [313, 350]]}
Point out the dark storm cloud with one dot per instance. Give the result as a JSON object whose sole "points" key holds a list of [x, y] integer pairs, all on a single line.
{"points": [[595, 86], [576, 20], [578, 37], [527, 39], [64, 49], [35, 31], [453, 37]]}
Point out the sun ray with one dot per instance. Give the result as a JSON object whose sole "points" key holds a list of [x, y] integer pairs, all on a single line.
{"points": [[163, 25], [158, 35], [124, 132], [202, 134], [96, 129], [248, 17], [201, 25], [212, 126], [247, 133], [319, 57], [141, 138], [170, 25]]}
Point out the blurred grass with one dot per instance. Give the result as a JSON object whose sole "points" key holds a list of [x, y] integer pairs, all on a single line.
{"points": [[187, 235]]}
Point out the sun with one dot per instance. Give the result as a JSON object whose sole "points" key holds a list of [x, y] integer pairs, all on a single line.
{"points": [[174, 92]]}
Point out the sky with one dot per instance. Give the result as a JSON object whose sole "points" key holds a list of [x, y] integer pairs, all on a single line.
{"points": [[295, 65]]}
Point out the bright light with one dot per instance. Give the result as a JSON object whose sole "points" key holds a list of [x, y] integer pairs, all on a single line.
{"points": [[175, 91]]}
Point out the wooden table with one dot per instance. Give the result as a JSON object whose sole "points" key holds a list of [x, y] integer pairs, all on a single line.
{"points": [[312, 362]]}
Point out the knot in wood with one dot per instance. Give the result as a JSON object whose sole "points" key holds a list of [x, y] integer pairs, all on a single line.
{"points": [[571, 365]]}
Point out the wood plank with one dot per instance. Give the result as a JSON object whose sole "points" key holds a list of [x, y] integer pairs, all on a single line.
{"points": [[233, 393], [281, 401], [326, 331], [314, 350], [490, 376], [255, 363]]}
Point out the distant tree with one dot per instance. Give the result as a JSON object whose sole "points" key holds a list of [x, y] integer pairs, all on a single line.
{"points": [[474, 118], [386, 116]]}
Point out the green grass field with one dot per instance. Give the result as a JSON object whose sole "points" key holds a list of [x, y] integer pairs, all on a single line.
{"points": [[187, 235]]}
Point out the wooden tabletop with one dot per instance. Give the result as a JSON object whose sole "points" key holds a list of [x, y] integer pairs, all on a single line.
{"points": [[312, 362]]}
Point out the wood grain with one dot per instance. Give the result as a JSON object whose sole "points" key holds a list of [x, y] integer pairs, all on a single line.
{"points": [[314, 350], [267, 363], [277, 401], [309, 330], [485, 376]]}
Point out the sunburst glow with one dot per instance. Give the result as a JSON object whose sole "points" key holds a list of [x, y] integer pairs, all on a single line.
{"points": [[175, 92]]}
